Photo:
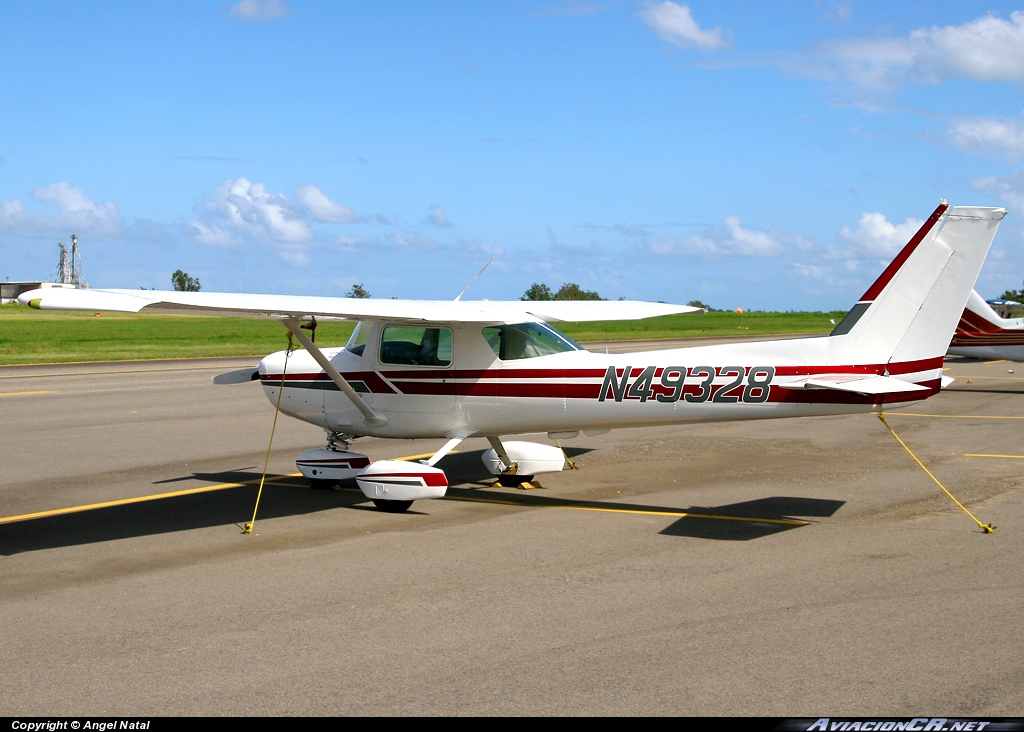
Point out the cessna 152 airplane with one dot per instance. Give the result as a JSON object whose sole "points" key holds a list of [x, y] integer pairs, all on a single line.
{"points": [[982, 333], [431, 369]]}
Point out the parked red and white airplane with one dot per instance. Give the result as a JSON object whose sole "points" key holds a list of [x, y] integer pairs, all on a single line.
{"points": [[982, 333], [429, 369]]}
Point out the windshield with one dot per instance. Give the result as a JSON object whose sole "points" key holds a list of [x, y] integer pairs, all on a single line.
{"points": [[357, 341], [527, 340]]}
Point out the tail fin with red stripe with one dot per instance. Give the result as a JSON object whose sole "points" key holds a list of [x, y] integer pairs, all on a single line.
{"points": [[911, 311]]}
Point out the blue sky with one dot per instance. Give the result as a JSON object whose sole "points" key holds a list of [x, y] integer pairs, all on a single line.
{"points": [[757, 155]]}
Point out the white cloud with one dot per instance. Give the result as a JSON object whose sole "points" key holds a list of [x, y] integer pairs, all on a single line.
{"points": [[413, 242], [1009, 189], [691, 244], [259, 10], [749, 243], [482, 249], [675, 24], [322, 208], [241, 211], [75, 213], [732, 241], [835, 11], [813, 271], [213, 236], [986, 49], [294, 256], [988, 134], [437, 217], [875, 64], [875, 236], [354, 244], [249, 208]]}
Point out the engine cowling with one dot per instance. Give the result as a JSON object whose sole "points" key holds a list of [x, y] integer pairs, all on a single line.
{"points": [[323, 463]]}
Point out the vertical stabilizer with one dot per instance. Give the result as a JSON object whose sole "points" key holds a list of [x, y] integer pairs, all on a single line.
{"points": [[912, 309]]}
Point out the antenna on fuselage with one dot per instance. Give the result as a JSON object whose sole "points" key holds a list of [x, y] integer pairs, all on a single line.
{"points": [[475, 278]]}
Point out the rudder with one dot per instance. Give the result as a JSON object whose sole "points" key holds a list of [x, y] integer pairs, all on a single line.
{"points": [[911, 311]]}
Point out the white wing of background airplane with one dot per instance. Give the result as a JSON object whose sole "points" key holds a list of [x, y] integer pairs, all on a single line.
{"points": [[280, 306]]}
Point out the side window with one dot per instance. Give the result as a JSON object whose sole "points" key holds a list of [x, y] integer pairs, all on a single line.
{"points": [[360, 336], [413, 346], [526, 340]]}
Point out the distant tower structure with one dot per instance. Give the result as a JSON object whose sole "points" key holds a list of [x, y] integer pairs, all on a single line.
{"points": [[63, 266], [69, 271]]}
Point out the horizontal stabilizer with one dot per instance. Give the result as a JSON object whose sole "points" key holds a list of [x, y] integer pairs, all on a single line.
{"points": [[868, 385]]}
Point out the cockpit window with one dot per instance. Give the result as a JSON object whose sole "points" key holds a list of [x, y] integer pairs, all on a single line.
{"points": [[360, 336], [527, 340], [414, 346]]}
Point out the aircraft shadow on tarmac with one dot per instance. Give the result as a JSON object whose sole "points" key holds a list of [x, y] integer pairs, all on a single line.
{"points": [[282, 496], [285, 496], [751, 519]]}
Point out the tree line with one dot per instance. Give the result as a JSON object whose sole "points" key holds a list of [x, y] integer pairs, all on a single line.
{"points": [[1015, 295], [568, 291]]}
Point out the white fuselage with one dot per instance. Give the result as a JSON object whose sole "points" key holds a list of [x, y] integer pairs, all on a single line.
{"points": [[478, 393], [982, 333]]}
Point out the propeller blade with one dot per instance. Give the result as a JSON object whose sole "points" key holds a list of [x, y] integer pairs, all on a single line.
{"points": [[239, 376]]}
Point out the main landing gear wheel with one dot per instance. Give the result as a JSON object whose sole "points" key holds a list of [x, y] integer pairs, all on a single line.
{"points": [[513, 481], [391, 506]]}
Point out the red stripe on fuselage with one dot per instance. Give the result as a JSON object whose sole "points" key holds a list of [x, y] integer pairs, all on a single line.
{"points": [[593, 392], [976, 330], [372, 379], [528, 382]]}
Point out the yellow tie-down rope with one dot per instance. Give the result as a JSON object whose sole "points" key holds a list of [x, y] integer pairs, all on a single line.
{"points": [[277, 410], [986, 528]]}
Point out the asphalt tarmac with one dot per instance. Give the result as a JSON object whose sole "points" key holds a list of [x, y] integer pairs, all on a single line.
{"points": [[797, 568]]}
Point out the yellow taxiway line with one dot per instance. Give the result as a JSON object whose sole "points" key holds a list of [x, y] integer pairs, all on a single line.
{"points": [[953, 416], [638, 511], [425, 455], [26, 393], [137, 499], [981, 454], [1008, 378]]}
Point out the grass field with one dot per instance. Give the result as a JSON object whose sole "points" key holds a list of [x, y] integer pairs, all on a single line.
{"points": [[28, 336]]}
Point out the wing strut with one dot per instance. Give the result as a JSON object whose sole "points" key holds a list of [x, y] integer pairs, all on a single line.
{"points": [[369, 416], [456, 436]]}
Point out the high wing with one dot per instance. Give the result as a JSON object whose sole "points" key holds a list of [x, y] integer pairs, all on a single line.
{"points": [[284, 306], [453, 370]]}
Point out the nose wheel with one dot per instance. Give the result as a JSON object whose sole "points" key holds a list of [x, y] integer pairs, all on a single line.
{"points": [[391, 506]]}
